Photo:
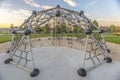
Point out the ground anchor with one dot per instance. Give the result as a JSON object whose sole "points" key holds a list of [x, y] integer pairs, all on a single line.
{"points": [[35, 72]]}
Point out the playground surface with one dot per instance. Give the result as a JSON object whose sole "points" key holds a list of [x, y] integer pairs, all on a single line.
{"points": [[59, 63], [114, 48]]}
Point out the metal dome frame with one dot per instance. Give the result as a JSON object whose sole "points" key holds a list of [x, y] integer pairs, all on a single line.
{"points": [[58, 15]]}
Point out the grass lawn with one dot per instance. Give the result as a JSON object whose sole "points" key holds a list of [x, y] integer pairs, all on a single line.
{"points": [[109, 38], [112, 38], [5, 38]]}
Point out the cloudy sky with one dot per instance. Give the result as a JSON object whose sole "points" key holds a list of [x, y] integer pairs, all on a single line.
{"points": [[106, 12]]}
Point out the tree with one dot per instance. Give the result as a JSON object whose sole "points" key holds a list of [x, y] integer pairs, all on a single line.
{"points": [[11, 27], [96, 23], [38, 29], [117, 30], [67, 29], [112, 28], [57, 29], [46, 29], [63, 28], [77, 29], [60, 28]]}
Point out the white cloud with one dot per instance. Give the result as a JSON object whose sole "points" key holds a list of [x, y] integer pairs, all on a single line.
{"points": [[46, 7], [32, 3], [112, 18], [13, 16], [100, 19], [94, 17], [71, 3], [9, 15], [17, 17], [90, 16], [103, 19], [90, 4]]}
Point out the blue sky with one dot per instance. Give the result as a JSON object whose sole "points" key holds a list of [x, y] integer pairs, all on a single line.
{"points": [[106, 12]]}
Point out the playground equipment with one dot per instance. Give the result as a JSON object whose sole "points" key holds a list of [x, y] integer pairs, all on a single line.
{"points": [[87, 35]]}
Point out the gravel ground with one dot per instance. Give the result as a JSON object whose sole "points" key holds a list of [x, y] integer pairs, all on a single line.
{"points": [[114, 48]]}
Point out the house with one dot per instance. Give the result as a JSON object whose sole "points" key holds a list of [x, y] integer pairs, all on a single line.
{"points": [[105, 28], [4, 30]]}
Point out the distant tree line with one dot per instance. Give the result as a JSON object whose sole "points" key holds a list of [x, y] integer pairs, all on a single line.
{"points": [[114, 29], [60, 28], [65, 28]]}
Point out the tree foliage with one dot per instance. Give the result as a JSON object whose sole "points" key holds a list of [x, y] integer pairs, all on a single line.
{"points": [[64, 27], [96, 23], [11, 27], [112, 28], [77, 28], [46, 29], [38, 29], [61, 28]]}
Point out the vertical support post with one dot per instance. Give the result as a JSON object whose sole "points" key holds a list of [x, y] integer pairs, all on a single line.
{"points": [[11, 46], [85, 50], [29, 42], [105, 46], [12, 53]]}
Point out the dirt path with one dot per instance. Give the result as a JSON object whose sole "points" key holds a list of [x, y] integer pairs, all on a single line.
{"points": [[4, 47], [114, 48]]}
